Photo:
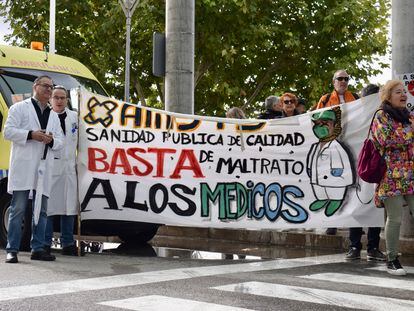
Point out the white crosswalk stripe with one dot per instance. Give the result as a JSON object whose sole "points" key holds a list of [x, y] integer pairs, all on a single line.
{"points": [[326, 297], [386, 282], [247, 285], [161, 303], [116, 281], [289, 292]]}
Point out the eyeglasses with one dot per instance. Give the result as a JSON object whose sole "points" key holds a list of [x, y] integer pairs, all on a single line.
{"points": [[46, 86], [289, 101], [346, 79], [59, 97]]}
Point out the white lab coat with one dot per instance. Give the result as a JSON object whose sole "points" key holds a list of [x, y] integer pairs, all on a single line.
{"points": [[321, 161], [26, 154], [63, 197]]}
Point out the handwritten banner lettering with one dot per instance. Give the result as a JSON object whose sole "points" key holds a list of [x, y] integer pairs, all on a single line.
{"points": [[147, 165]]}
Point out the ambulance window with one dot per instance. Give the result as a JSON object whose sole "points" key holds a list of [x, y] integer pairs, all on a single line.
{"points": [[10, 85], [16, 81]]}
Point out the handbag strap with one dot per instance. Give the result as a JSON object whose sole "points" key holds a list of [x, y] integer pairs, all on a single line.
{"points": [[372, 120]]}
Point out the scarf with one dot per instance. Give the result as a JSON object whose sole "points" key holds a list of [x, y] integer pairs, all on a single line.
{"points": [[400, 115]]}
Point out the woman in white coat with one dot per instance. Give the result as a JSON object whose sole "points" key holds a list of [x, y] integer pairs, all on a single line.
{"points": [[63, 195]]}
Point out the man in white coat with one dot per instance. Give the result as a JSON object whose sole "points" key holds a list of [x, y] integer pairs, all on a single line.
{"points": [[63, 196], [35, 133]]}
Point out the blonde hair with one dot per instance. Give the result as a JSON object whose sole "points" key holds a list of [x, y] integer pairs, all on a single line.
{"points": [[387, 89]]}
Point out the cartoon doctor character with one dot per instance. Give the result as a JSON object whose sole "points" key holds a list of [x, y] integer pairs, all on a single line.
{"points": [[328, 163]]}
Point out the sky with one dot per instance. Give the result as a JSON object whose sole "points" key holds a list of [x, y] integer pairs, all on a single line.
{"points": [[4, 29], [381, 78]]}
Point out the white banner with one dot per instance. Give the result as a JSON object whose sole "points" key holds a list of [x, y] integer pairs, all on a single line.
{"points": [[147, 165]]}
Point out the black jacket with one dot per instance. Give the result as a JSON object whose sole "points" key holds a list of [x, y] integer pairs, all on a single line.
{"points": [[270, 114]]}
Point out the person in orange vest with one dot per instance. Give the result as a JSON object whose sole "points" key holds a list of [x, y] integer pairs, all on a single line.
{"points": [[340, 94]]}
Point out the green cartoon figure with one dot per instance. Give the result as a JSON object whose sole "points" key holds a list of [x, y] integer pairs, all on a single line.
{"points": [[328, 163]]}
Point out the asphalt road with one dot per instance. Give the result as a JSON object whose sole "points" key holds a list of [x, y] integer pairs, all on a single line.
{"points": [[172, 279]]}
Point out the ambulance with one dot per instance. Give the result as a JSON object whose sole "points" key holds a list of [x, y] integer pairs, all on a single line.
{"points": [[19, 67]]}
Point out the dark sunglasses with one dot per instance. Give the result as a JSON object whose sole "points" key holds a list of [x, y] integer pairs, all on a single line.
{"points": [[289, 101], [346, 79]]}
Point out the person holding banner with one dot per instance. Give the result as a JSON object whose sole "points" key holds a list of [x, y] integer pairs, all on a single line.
{"points": [[393, 135], [301, 106], [35, 133], [340, 95], [63, 195], [273, 109], [235, 113], [289, 102], [355, 234]]}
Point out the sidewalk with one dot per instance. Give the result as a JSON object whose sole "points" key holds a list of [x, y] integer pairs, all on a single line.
{"points": [[315, 240]]}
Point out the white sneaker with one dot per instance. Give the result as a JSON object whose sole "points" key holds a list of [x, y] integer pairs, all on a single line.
{"points": [[394, 267]]}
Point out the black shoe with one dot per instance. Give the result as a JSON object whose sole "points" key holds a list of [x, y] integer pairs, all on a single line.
{"points": [[331, 231], [375, 255], [72, 250], [42, 255], [11, 257], [47, 249], [353, 254], [394, 267]]}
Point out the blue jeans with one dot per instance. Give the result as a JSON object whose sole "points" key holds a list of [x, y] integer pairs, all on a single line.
{"points": [[66, 230], [17, 210]]}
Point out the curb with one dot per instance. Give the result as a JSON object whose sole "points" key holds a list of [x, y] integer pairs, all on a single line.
{"points": [[286, 238]]}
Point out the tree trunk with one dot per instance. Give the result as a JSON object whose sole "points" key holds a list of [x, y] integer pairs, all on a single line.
{"points": [[140, 92], [202, 68], [161, 92], [260, 85]]}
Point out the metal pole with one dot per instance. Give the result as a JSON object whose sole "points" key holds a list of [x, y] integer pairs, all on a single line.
{"points": [[128, 6], [52, 27], [403, 62], [179, 65], [127, 54]]}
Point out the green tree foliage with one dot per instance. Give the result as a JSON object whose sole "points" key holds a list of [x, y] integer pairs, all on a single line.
{"points": [[245, 49]]}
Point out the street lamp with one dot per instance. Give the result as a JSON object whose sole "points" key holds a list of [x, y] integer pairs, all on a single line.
{"points": [[128, 6]]}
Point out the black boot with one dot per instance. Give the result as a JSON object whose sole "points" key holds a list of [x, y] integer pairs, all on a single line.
{"points": [[72, 250]]}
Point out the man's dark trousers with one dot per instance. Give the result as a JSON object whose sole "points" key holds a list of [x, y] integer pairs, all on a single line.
{"points": [[355, 235]]}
